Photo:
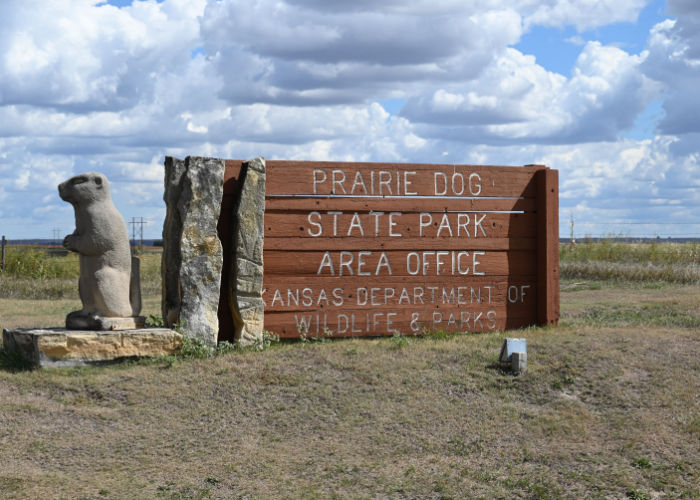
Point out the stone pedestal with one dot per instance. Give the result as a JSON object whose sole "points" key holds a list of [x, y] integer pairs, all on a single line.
{"points": [[61, 347]]}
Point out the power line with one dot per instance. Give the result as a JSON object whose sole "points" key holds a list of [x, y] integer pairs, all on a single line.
{"points": [[133, 223]]}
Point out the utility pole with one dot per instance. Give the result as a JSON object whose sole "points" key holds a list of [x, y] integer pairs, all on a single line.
{"points": [[572, 238], [133, 232], [57, 235], [4, 242]]}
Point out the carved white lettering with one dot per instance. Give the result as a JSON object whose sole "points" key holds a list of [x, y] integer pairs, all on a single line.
{"points": [[359, 182], [326, 261], [392, 224], [338, 180], [346, 259], [429, 262], [475, 184], [319, 178], [317, 225], [407, 183], [384, 181], [356, 223]]}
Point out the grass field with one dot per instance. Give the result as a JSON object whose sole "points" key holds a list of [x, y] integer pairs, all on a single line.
{"points": [[609, 408]]}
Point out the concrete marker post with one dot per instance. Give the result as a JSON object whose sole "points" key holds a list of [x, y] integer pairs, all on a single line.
{"points": [[518, 363]]}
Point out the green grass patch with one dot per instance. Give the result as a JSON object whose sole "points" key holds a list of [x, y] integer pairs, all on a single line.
{"points": [[663, 315]]}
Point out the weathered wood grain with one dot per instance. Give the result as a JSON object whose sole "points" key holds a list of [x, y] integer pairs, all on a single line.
{"points": [[415, 223], [401, 204], [548, 246], [378, 263], [348, 240], [386, 321], [393, 179], [298, 294]]}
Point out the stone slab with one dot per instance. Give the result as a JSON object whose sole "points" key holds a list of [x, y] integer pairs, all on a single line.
{"points": [[246, 278], [61, 347], [192, 253]]}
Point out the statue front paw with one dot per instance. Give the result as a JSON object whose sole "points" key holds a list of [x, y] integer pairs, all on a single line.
{"points": [[68, 243]]}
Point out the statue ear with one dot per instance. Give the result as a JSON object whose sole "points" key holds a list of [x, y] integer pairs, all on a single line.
{"points": [[98, 182]]}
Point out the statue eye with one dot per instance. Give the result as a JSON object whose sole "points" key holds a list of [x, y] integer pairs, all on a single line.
{"points": [[79, 180]]}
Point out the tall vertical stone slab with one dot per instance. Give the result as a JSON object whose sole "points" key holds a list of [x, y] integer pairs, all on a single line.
{"points": [[192, 253], [246, 281]]}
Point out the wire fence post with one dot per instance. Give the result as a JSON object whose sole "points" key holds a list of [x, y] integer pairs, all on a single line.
{"points": [[4, 242]]}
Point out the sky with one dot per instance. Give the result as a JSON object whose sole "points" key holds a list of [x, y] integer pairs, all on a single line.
{"points": [[605, 91]]}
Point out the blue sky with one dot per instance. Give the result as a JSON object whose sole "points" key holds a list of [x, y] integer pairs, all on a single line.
{"points": [[602, 90]]}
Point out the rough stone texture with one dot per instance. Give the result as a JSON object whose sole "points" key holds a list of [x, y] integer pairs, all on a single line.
{"points": [[247, 270], [102, 323], [518, 362], [107, 288], [192, 253], [135, 286], [60, 347]]}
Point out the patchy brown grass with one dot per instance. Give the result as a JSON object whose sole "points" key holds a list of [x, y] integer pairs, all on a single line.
{"points": [[34, 313], [606, 410]]}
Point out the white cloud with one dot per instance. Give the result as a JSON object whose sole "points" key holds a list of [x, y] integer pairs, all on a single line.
{"points": [[583, 14], [95, 87], [516, 99], [674, 61], [89, 57]]}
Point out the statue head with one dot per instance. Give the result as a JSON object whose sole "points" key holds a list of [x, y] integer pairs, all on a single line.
{"points": [[84, 188]]}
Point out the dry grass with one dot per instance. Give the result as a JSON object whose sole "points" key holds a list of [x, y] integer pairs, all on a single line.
{"points": [[631, 271], [33, 313], [640, 262], [31, 273], [606, 410], [616, 250]]}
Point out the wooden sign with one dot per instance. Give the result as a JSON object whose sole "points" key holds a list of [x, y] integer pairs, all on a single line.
{"points": [[364, 249]]}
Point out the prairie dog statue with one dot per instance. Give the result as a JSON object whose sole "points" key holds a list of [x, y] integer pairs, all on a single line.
{"points": [[102, 240]]}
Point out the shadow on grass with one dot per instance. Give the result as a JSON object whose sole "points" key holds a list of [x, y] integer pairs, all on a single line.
{"points": [[500, 368], [13, 362]]}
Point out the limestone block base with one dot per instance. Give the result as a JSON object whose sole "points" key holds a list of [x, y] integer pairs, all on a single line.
{"points": [[102, 323], [61, 347]]}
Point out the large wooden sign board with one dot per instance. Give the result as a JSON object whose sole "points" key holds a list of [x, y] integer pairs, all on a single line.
{"points": [[365, 249]]}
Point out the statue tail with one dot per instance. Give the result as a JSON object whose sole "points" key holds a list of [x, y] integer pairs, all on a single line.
{"points": [[135, 286]]}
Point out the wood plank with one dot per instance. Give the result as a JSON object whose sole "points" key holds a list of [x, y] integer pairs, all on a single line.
{"points": [[392, 179], [298, 294], [232, 172], [400, 204], [379, 244], [398, 263], [367, 225], [363, 322], [548, 246]]}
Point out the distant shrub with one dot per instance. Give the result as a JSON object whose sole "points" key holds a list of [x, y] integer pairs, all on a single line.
{"points": [[617, 260], [34, 273], [34, 263], [609, 250]]}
